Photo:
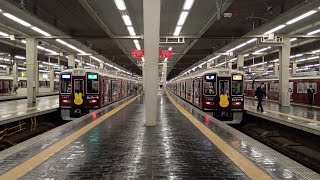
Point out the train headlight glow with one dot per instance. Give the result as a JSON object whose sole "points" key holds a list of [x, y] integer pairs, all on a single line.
{"points": [[236, 103]]}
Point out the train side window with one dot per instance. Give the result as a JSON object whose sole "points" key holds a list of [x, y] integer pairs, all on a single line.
{"points": [[237, 88], [92, 83], [65, 85], [0, 84]]}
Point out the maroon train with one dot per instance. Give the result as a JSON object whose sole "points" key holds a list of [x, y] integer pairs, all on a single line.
{"points": [[210, 90], [85, 90], [297, 88]]}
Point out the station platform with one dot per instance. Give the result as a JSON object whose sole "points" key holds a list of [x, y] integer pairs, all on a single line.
{"points": [[16, 110], [113, 143], [301, 117], [10, 97]]}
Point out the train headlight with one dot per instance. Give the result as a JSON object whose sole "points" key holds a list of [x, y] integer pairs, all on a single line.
{"points": [[66, 101], [92, 101], [236, 103], [209, 103]]}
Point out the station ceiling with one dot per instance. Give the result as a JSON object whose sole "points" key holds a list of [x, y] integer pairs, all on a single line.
{"points": [[98, 25]]}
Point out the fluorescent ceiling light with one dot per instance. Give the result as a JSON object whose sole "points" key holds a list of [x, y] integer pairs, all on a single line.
{"points": [[109, 65], [142, 59], [251, 40], [62, 42], [316, 51], [258, 64], [241, 45], [246, 55], [214, 58], [10, 16], [298, 55], [95, 58], [275, 29], [131, 31], [188, 4], [182, 18], [293, 39], [135, 41], [220, 64], [263, 49], [20, 57], [51, 51], [233, 59], [77, 60], [165, 59], [127, 20], [177, 30], [314, 32], [301, 17], [3, 34], [138, 46], [40, 47], [170, 48], [120, 5], [23, 41], [40, 31]]}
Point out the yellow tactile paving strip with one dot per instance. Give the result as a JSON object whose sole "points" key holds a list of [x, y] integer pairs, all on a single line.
{"points": [[247, 166], [284, 114], [25, 167]]}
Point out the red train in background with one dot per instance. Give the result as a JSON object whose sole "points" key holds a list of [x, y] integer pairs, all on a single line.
{"points": [[297, 88], [85, 90], [210, 90]]}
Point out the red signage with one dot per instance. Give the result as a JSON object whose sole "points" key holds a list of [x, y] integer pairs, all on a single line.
{"points": [[165, 53], [135, 53]]}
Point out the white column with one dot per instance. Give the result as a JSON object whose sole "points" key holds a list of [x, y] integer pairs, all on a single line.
{"points": [[284, 56], [275, 68], [71, 61], [31, 51], [8, 70], [229, 64], [36, 67], [208, 65], [15, 73], [101, 65], [51, 76], [240, 62], [164, 85], [80, 64], [294, 68], [151, 19]]}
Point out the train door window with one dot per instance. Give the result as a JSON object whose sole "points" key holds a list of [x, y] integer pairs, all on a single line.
{"points": [[65, 85], [92, 84], [0, 84], [224, 86], [78, 86], [237, 85], [276, 87], [209, 84]]}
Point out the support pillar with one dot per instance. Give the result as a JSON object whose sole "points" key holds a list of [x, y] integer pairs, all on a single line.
{"points": [[151, 19], [229, 64], [15, 73], [275, 68], [240, 62], [294, 68], [51, 76], [71, 61], [36, 67], [8, 70], [208, 65], [101, 65], [284, 56], [164, 85], [80, 64], [32, 52]]}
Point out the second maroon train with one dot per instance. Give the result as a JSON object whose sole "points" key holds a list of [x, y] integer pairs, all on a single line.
{"points": [[216, 90]]}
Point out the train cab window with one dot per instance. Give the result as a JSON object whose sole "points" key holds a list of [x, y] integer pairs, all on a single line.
{"points": [[92, 83], [65, 84], [209, 85], [237, 85]]}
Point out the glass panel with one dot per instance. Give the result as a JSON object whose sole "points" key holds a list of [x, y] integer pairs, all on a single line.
{"points": [[224, 87], [65, 84], [92, 83], [237, 88], [209, 85], [78, 86], [300, 88]]}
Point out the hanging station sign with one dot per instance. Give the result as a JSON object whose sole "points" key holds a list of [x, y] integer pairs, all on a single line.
{"points": [[135, 53], [165, 53]]}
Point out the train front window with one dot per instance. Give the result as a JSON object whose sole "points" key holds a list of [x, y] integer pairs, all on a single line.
{"points": [[209, 84], [224, 87], [65, 84], [92, 83], [78, 86]]}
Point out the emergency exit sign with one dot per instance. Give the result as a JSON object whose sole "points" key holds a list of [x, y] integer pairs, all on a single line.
{"points": [[135, 53]]}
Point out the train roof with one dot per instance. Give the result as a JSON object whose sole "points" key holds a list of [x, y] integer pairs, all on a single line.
{"points": [[207, 71], [102, 72]]}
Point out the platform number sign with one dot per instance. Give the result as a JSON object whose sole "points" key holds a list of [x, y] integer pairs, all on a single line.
{"points": [[135, 53]]}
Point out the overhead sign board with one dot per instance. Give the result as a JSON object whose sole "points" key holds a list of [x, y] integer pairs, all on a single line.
{"points": [[165, 53], [135, 53]]}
